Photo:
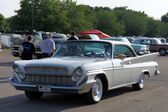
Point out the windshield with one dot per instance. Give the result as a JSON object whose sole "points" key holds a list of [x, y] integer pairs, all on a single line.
{"points": [[37, 39], [119, 39], [84, 49], [157, 41], [94, 37]]}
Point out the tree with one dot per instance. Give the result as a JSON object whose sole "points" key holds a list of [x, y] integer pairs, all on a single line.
{"points": [[162, 29], [81, 18], [152, 27], [45, 15], [3, 24], [135, 22], [65, 15], [107, 22], [164, 18]]}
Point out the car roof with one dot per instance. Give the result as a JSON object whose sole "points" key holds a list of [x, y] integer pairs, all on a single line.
{"points": [[108, 41], [124, 39], [146, 39]]}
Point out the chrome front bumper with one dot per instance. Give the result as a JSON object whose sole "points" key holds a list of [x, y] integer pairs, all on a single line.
{"points": [[157, 72], [54, 89]]}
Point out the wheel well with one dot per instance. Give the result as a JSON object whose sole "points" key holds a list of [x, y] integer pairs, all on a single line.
{"points": [[161, 49], [103, 78], [146, 73]]}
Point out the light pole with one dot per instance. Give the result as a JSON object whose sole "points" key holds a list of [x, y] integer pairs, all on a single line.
{"points": [[33, 15]]}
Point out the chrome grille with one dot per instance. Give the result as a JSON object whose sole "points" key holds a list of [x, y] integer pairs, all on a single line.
{"points": [[49, 79], [46, 70]]}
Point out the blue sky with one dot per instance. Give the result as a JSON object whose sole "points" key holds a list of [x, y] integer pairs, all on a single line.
{"points": [[154, 8]]}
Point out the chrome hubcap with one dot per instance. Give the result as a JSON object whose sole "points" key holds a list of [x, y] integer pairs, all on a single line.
{"points": [[141, 81], [162, 52], [97, 90]]}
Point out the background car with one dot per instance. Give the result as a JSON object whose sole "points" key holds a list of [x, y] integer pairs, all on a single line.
{"points": [[155, 45], [37, 38], [139, 49], [57, 37], [88, 37]]}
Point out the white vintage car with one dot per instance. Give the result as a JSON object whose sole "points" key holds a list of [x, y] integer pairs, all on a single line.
{"points": [[91, 67]]}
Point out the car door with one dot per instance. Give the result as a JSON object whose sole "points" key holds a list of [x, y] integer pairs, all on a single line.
{"points": [[122, 71]]}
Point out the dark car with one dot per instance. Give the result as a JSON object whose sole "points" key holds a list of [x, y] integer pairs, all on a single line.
{"points": [[155, 45]]}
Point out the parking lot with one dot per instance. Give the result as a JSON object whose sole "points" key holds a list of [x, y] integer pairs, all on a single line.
{"points": [[153, 98]]}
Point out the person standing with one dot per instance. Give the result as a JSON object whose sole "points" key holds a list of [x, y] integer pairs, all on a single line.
{"points": [[73, 36], [48, 46], [27, 49]]}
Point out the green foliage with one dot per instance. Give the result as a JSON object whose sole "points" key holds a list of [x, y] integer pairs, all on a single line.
{"points": [[81, 18], [107, 22], [152, 27], [162, 30], [3, 24], [135, 22], [164, 18]]}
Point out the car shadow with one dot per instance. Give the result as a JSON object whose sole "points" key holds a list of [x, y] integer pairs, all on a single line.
{"points": [[118, 92], [52, 102], [3, 79]]}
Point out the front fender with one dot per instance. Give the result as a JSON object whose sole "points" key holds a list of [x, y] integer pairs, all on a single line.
{"points": [[101, 74]]}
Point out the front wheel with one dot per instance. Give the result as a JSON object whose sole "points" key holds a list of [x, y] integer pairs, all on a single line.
{"points": [[33, 95], [162, 52], [96, 92], [140, 84]]}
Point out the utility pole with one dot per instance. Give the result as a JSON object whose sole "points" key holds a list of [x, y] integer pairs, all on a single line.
{"points": [[33, 15]]}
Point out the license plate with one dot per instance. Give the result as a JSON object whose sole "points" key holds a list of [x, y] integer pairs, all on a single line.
{"points": [[44, 88]]}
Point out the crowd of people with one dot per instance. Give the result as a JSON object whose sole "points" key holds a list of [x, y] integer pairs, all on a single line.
{"points": [[47, 46]]}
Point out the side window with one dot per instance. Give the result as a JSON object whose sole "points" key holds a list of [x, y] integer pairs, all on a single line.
{"points": [[154, 41], [145, 42], [123, 49]]}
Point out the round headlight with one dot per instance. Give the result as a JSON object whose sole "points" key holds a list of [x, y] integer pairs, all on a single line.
{"points": [[21, 76], [16, 68], [77, 75], [18, 72]]}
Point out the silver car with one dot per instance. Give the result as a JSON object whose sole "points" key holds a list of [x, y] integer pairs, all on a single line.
{"points": [[91, 67]]}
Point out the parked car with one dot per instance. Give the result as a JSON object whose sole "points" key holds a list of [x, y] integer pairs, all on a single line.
{"points": [[91, 67], [163, 40], [155, 45], [57, 37], [139, 49], [37, 39], [88, 37], [130, 39]]}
